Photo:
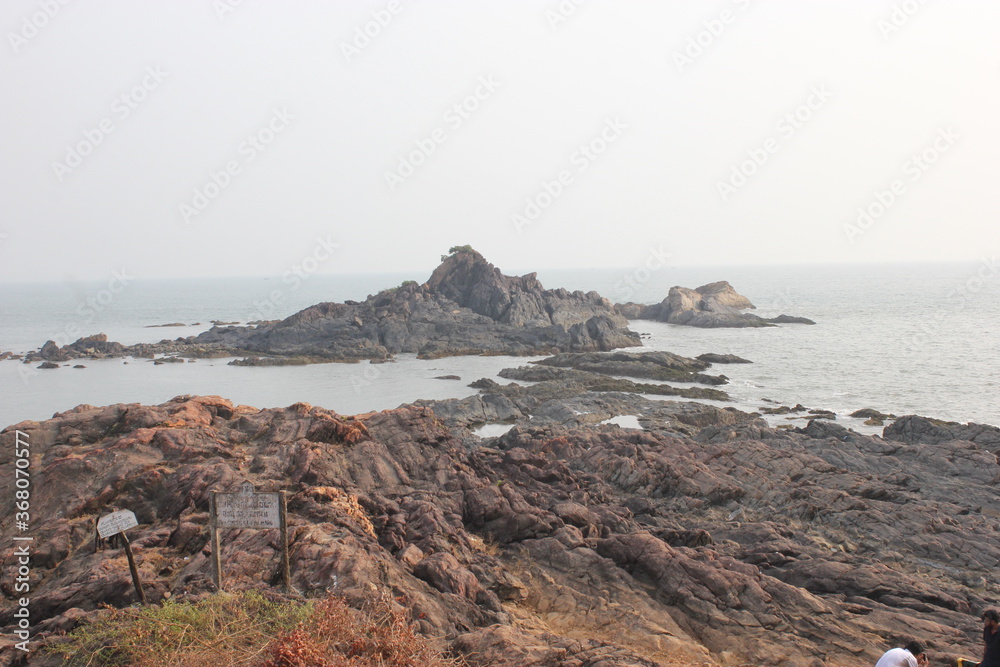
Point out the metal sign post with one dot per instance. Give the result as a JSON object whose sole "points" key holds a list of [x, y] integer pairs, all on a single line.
{"points": [[286, 567], [216, 547], [117, 523], [248, 509]]}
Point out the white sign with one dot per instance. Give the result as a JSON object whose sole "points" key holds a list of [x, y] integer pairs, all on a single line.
{"points": [[247, 509], [115, 523]]}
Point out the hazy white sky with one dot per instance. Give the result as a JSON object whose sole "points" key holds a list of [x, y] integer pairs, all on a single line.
{"points": [[228, 137]]}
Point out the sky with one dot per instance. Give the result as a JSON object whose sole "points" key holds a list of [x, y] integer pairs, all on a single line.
{"points": [[245, 137]]}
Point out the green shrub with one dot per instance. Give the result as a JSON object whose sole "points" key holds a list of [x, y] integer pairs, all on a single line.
{"points": [[455, 249]]}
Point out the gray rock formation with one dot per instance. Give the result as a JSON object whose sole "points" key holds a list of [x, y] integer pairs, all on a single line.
{"points": [[467, 307], [570, 377], [915, 430], [657, 365], [713, 305], [714, 358], [789, 319], [471, 282]]}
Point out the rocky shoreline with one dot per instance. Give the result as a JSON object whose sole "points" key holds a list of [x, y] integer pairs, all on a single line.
{"points": [[705, 537], [694, 534]]}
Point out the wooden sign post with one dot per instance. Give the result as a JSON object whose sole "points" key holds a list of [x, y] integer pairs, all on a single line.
{"points": [[249, 509], [117, 523]]}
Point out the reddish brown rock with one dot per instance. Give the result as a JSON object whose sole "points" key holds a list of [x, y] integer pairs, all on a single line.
{"points": [[710, 539]]}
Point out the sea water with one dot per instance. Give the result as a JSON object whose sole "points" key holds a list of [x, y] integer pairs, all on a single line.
{"points": [[905, 338]]}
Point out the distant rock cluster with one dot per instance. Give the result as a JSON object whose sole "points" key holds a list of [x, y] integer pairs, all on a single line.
{"points": [[467, 306]]}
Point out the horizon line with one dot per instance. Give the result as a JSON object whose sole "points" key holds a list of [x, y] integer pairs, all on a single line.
{"points": [[512, 272]]}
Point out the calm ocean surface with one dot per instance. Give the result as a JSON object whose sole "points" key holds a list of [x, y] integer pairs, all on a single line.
{"points": [[910, 338]]}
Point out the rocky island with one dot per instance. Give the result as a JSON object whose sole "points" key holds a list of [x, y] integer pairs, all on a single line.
{"points": [[709, 306], [467, 306]]}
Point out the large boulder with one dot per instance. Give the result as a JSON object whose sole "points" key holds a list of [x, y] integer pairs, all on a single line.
{"points": [[50, 351], [713, 305], [913, 429]]}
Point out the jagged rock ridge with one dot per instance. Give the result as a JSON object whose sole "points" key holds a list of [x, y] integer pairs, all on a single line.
{"points": [[466, 307]]}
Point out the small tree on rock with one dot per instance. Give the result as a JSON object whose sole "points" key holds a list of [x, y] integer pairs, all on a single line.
{"points": [[455, 249]]}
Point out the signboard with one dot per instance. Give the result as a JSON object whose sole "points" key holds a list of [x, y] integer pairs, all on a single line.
{"points": [[247, 509], [115, 523]]}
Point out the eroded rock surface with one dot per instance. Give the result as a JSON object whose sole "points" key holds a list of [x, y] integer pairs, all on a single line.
{"points": [[707, 538], [656, 365]]}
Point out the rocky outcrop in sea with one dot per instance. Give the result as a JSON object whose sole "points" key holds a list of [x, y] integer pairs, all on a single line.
{"points": [[466, 307], [709, 306]]}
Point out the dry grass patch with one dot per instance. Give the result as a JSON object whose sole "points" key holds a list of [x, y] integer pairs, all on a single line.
{"points": [[251, 629]]}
